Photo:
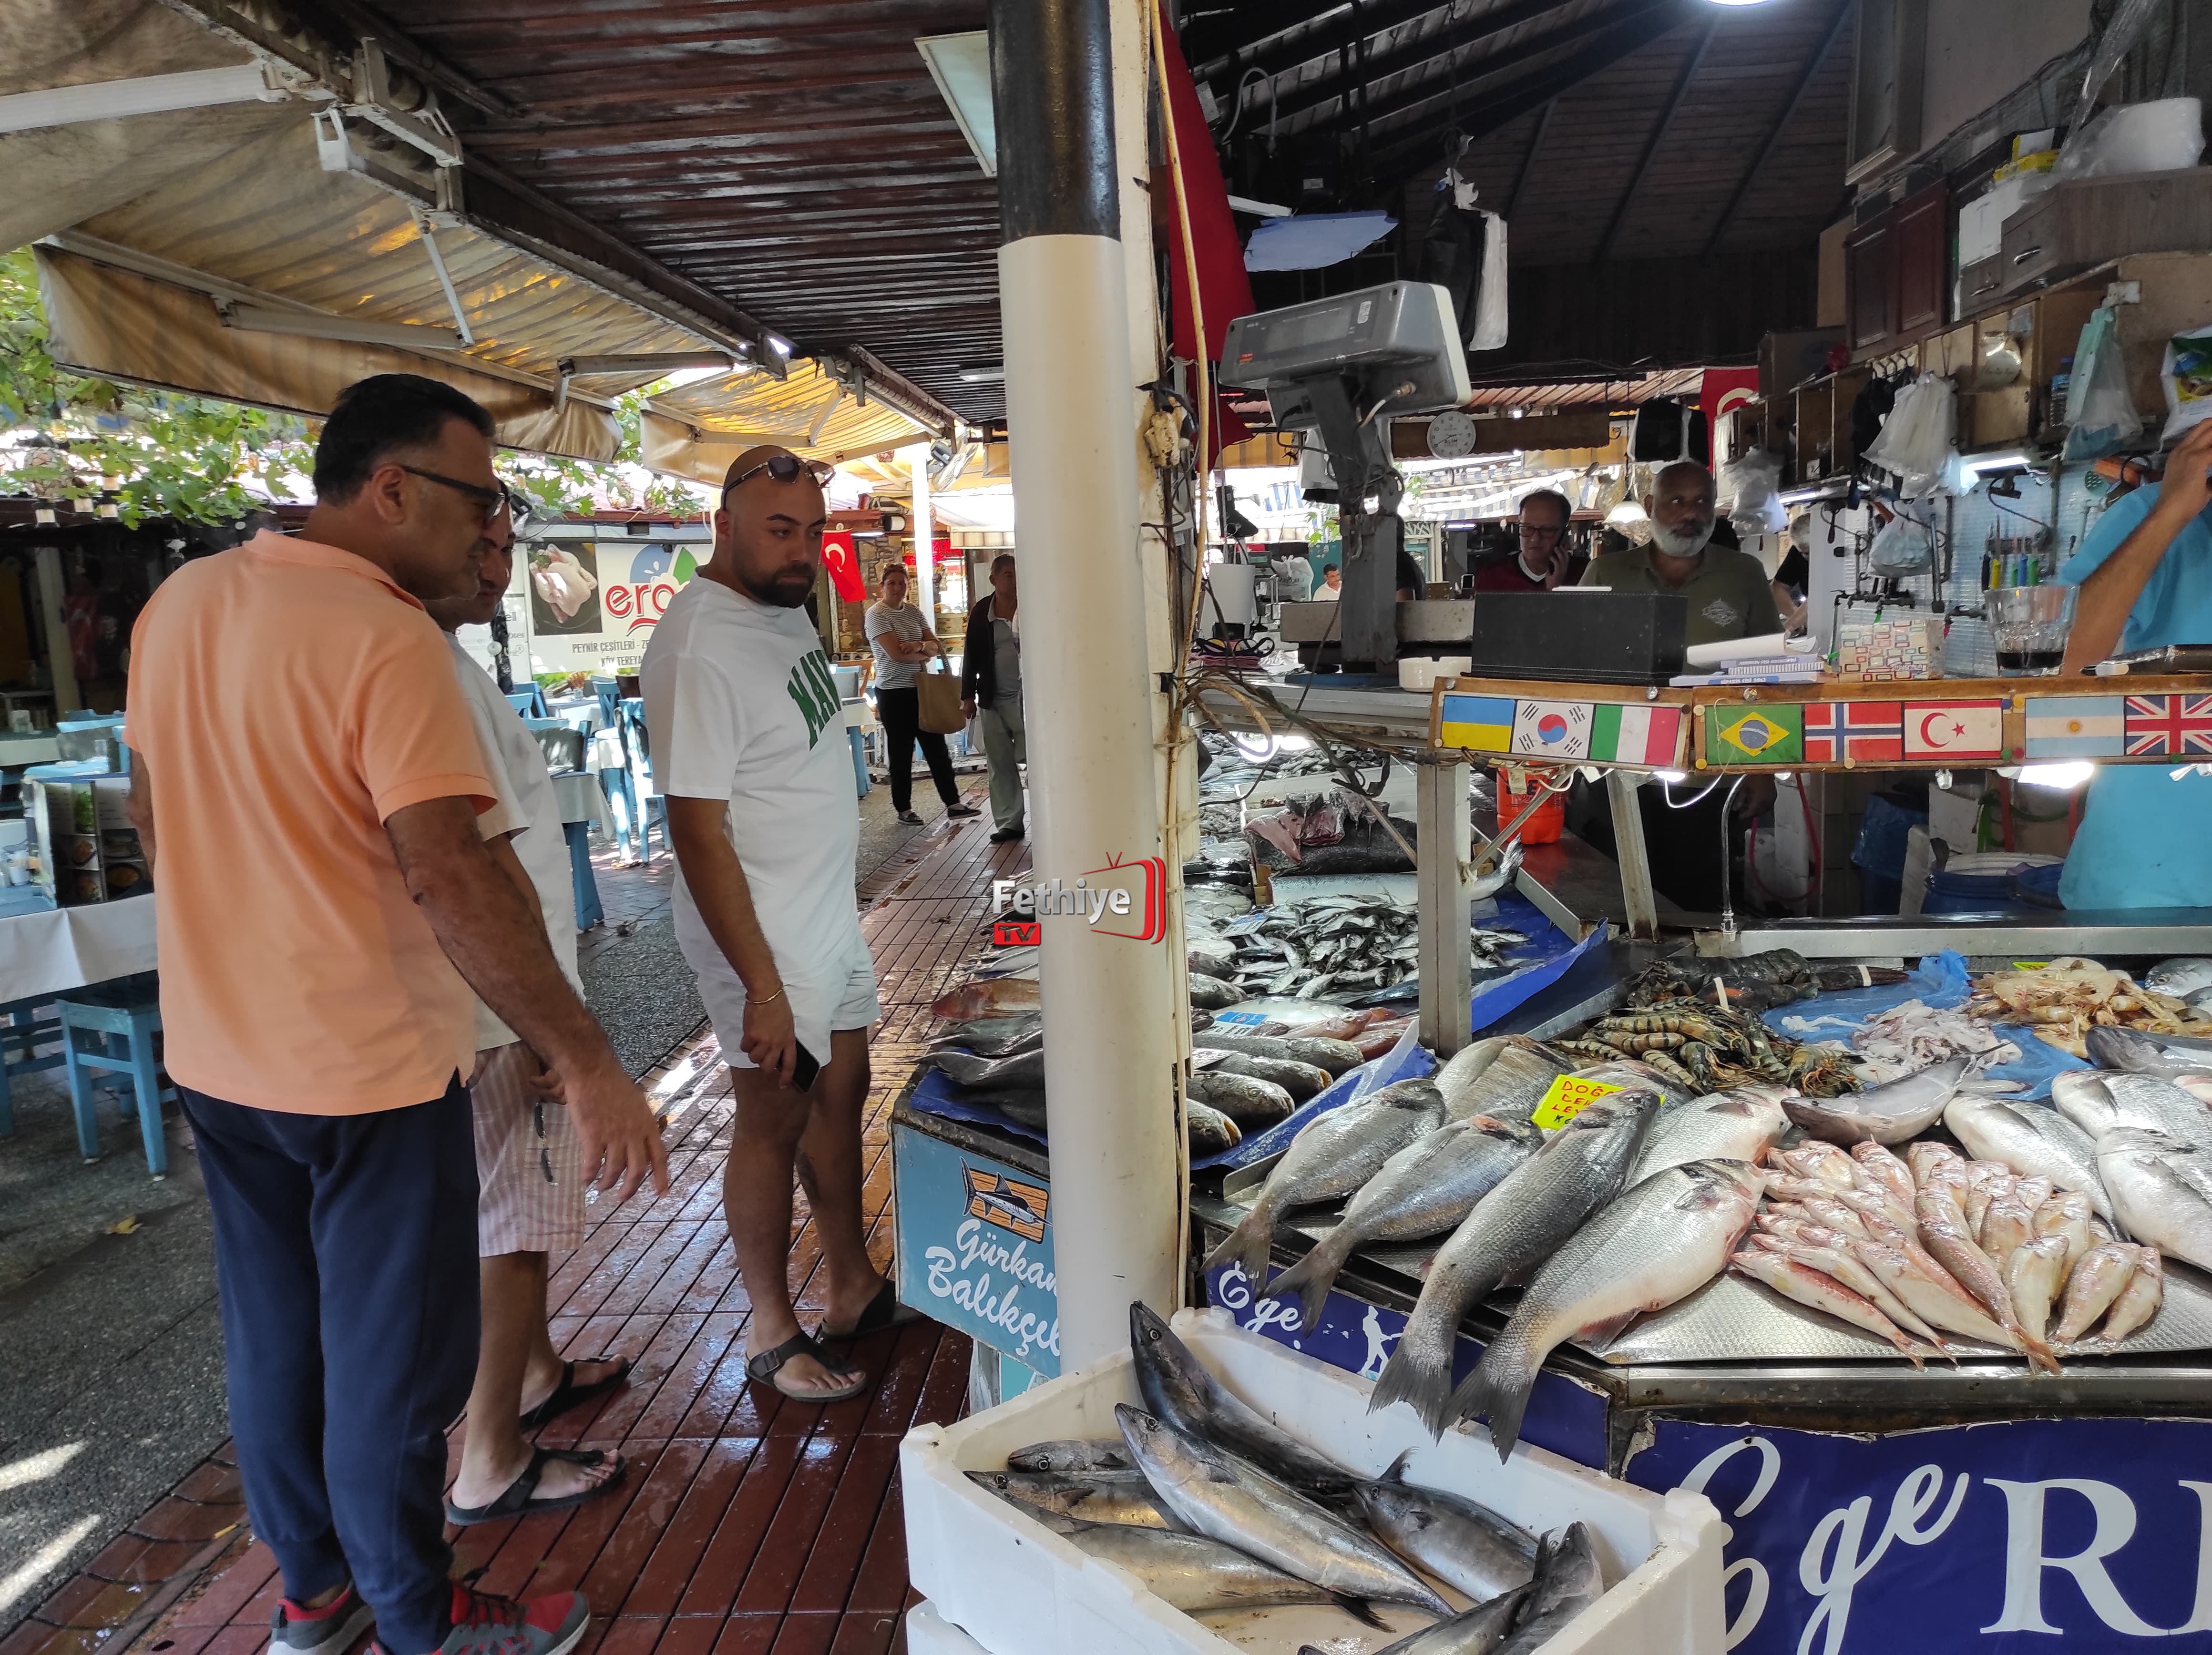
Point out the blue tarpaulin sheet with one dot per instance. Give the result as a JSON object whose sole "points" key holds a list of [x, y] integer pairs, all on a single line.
{"points": [[1941, 982]]}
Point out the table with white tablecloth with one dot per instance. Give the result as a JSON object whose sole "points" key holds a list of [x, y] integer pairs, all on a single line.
{"points": [[51, 950], [583, 803]]}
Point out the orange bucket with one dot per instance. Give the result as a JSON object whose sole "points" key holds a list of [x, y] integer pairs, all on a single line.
{"points": [[1545, 826]]}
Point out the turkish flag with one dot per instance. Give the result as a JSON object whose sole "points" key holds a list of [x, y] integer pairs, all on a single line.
{"points": [[1725, 388], [1224, 289], [844, 566]]}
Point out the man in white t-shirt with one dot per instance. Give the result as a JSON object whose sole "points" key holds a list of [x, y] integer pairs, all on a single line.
{"points": [[530, 1199], [749, 747]]}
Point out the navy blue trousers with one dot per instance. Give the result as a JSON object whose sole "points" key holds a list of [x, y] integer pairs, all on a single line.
{"points": [[346, 1256]]}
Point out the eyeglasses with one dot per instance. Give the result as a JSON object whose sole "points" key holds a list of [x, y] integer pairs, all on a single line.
{"points": [[1529, 529], [783, 468], [494, 499]]}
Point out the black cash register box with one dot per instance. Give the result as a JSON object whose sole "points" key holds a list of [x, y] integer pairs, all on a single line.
{"points": [[1581, 637]]}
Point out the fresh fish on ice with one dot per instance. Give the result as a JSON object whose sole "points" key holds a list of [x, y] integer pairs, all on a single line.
{"points": [[1884, 1168], [2035, 1274], [2065, 1213], [1302, 1081], [995, 1037], [1177, 1387], [1512, 1230], [1831, 1253], [1651, 1247], [2139, 1300], [1227, 1500], [2162, 1191], [2098, 1101], [1481, 1630], [2143, 1052], [1425, 1188], [1468, 1547], [1739, 1124], [1332, 1156], [1246, 1100], [2097, 1282], [993, 1074], [2031, 1140], [1882, 1114], [1933, 1295], [1211, 1132], [2179, 978], [1506, 1074], [1943, 1232], [1568, 1581], [1803, 1283], [1211, 993]]}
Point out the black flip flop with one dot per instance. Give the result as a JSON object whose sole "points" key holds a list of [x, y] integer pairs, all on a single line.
{"points": [[765, 1369], [883, 1311], [519, 1498], [568, 1394]]}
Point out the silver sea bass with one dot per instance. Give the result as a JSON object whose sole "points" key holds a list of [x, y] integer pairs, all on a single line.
{"points": [[1883, 1114], [2032, 1141], [1226, 1500], [1332, 1156], [2162, 1191], [1538, 1205], [1424, 1189], [1658, 1244]]}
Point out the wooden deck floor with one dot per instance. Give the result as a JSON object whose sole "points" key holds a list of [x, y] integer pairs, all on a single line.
{"points": [[748, 1524]]}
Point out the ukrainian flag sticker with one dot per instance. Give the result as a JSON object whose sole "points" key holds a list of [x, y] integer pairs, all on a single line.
{"points": [[1476, 724], [1754, 735]]}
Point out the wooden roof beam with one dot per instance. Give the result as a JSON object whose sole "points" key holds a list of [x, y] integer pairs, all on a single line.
{"points": [[1674, 107], [1442, 48], [1828, 37]]}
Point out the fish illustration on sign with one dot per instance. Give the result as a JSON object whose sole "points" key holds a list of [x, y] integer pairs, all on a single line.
{"points": [[1009, 1203]]}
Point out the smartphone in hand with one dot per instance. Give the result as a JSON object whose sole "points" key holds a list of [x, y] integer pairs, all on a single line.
{"points": [[805, 1067]]}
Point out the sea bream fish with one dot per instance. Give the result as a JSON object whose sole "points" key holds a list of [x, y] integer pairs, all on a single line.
{"points": [[1882, 1114], [1425, 1188], [1332, 1156], [1651, 1247], [1467, 1546], [1513, 1229], [1505, 1076], [1192, 1574], [2032, 1140], [1739, 1124], [1177, 1388], [2098, 1101], [2162, 1191], [2141, 1052], [1225, 1499]]}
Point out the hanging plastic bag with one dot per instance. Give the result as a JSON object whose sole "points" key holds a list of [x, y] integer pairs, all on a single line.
{"points": [[1747, 483], [2101, 414], [2163, 136], [1903, 546], [1489, 330], [2187, 375], [1916, 438]]}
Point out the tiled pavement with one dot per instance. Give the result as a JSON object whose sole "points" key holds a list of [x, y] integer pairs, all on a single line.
{"points": [[748, 1524]]}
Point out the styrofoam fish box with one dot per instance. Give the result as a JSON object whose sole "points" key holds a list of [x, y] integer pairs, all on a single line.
{"points": [[928, 1633], [1017, 1588]]}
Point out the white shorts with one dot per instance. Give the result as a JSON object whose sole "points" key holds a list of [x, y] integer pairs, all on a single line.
{"points": [[830, 1000], [530, 1196]]}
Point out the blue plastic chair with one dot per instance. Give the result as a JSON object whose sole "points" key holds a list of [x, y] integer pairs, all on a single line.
{"points": [[619, 784], [109, 1029], [641, 764], [529, 703]]}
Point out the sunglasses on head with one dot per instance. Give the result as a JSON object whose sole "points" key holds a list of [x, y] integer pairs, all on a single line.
{"points": [[784, 468]]}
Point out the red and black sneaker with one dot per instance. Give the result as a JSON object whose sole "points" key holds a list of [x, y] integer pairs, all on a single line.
{"points": [[329, 1630], [485, 1625]]}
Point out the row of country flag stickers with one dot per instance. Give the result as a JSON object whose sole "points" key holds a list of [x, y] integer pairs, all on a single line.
{"points": [[1830, 732]]}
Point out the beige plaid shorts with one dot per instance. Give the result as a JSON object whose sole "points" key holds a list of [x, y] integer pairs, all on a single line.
{"points": [[530, 1186]]}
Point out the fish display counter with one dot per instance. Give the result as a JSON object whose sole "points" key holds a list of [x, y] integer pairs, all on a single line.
{"points": [[1906, 1269]]}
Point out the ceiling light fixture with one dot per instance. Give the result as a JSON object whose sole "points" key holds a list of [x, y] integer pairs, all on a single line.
{"points": [[977, 376], [961, 66]]}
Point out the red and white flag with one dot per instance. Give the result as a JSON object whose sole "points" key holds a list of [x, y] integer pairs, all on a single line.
{"points": [[1954, 729]]}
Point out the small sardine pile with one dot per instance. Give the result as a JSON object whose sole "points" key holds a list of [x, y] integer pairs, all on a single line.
{"points": [[1709, 1048], [1325, 947], [1217, 1510]]}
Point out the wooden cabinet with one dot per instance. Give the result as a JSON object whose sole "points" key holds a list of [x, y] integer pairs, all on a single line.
{"points": [[2072, 225], [1869, 297], [1920, 258]]}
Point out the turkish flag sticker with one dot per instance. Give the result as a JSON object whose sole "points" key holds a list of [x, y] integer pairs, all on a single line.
{"points": [[1954, 729]]}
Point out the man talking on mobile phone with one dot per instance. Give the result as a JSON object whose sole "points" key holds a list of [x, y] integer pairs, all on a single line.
{"points": [[750, 750]]}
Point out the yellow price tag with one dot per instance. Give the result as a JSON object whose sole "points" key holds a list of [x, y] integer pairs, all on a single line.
{"points": [[2029, 965], [1566, 1098]]}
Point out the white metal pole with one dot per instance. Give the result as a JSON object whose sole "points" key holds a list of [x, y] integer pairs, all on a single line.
{"points": [[1441, 853], [925, 563], [1110, 1058]]}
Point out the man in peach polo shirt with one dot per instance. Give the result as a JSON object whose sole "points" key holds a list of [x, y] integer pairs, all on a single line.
{"points": [[306, 781]]}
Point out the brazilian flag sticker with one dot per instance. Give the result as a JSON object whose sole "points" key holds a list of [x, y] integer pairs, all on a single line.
{"points": [[1754, 735]]}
